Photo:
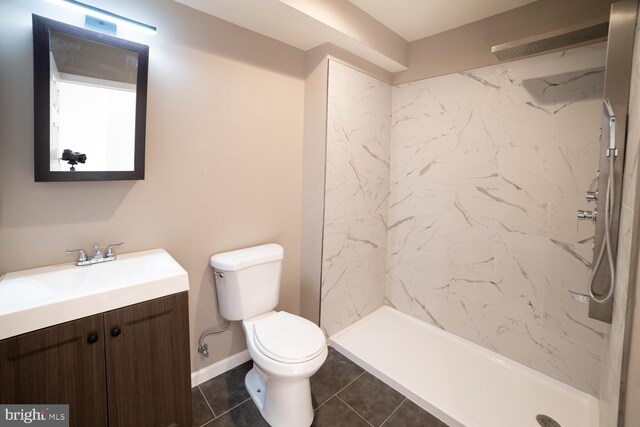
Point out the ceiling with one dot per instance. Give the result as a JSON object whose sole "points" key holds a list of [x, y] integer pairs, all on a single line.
{"points": [[416, 19], [375, 30], [304, 24]]}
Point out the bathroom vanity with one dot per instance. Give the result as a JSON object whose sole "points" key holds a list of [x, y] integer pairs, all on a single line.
{"points": [[124, 366]]}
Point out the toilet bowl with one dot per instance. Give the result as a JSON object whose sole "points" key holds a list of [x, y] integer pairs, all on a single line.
{"points": [[286, 349], [279, 381]]}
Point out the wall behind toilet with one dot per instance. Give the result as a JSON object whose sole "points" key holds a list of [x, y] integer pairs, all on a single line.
{"points": [[223, 162]]}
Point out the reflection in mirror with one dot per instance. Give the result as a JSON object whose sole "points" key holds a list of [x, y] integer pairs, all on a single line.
{"points": [[93, 87], [93, 105]]}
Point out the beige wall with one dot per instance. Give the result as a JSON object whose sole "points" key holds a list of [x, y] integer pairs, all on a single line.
{"points": [[631, 322], [315, 133], [223, 165], [632, 397], [469, 46]]}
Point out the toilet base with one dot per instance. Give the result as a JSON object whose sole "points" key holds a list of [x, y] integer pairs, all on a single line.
{"points": [[256, 388], [282, 403]]}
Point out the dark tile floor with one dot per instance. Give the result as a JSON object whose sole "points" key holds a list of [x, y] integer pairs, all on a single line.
{"points": [[343, 395]]}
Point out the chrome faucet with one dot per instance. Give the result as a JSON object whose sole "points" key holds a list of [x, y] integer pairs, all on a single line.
{"points": [[97, 256]]}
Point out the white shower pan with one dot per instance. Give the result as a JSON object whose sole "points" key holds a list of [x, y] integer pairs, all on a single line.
{"points": [[462, 383]]}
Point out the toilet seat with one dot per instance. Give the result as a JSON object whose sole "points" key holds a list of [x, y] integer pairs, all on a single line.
{"points": [[287, 338]]}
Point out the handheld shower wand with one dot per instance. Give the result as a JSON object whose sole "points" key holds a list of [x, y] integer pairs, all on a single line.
{"points": [[606, 246]]}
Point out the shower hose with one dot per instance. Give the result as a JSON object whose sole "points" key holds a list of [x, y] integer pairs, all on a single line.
{"points": [[606, 245]]}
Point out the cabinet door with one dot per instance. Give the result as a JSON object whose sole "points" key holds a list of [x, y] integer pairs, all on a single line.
{"points": [[148, 373], [62, 364]]}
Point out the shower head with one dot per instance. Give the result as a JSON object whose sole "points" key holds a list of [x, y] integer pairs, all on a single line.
{"points": [[591, 31]]}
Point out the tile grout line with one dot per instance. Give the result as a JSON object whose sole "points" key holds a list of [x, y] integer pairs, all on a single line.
{"points": [[336, 393], [394, 411], [232, 408], [365, 420], [208, 405]]}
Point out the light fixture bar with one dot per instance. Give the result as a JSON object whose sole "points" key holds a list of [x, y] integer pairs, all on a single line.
{"points": [[108, 16]]}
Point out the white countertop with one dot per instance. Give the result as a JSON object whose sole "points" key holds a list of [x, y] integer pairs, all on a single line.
{"points": [[46, 296]]}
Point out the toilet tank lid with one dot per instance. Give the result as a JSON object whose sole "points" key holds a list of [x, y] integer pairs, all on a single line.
{"points": [[247, 257]]}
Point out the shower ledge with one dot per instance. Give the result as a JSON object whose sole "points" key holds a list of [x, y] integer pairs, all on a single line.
{"points": [[40, 297]]}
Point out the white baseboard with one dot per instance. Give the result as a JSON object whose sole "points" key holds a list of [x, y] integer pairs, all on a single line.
{"points": [[218, 368]]}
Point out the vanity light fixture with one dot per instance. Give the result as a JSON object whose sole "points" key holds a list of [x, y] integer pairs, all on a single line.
{"points": [[104, 15]]}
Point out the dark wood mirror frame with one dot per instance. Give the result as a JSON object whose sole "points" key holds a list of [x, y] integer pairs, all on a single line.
{"points": [[41, 69]]}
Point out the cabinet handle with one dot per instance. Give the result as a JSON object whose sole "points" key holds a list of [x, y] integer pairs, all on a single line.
{"points": [[115, 331], [93, 338]]}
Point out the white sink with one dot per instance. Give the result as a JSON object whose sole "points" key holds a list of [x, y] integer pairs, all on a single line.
{"points": [[41, 297]]}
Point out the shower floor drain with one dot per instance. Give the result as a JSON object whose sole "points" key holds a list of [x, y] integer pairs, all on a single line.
{"points": [[546, 421]]}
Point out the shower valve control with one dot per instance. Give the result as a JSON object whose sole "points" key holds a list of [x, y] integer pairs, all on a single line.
{"points": [[592, 196], [587, 215]]}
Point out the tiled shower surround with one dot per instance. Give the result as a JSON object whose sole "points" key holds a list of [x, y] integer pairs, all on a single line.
{"points": [[356, 196], [488, 168], [473, 198]]}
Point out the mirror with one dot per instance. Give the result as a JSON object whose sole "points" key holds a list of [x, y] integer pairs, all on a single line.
{"points": [[90, 104]]}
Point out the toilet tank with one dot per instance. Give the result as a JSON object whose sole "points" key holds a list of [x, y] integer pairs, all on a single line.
{"points": [[248, 280]]}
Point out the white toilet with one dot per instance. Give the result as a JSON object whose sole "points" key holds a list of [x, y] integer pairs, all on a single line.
{"points": [[286, 349]]}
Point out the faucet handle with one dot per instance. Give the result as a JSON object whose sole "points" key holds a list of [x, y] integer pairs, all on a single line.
{"points": [[97, 254], [110, 249], [82, 256]]}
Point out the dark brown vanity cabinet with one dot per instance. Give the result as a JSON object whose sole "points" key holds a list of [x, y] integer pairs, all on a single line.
{"points": [[147, 358], [126, 367], [58, 365]]}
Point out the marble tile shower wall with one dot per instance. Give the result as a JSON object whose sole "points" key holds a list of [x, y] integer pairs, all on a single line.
{"points": [[356, 197], [487, 170]]}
